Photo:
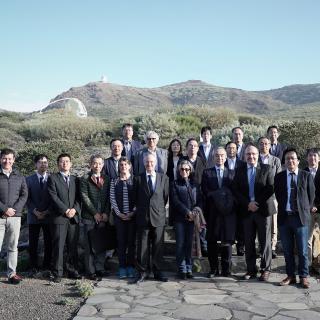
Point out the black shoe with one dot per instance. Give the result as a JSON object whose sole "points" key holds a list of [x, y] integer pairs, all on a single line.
{"points": [[182, 275], [204, 253], [189, 275], [240, 251], [92, 277], [74, 275], [213, 273], [226, 274], [56, 279], [274, 254], [102, 274], [160, 277]]}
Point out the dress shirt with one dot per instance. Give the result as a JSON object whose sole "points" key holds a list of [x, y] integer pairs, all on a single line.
{"points": [[153, 179], [45, 176], [249, 172], [273, 148], [313, 171], [116, 164], [7, 172], [288, 207], [264, 158], [206, 149], [128, 148], [239, 148], [232, 163]]}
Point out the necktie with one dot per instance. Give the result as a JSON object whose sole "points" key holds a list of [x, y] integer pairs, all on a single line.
{"points": [[66, 178], [98, 179], [252, 176], [150, 184], [219, 177], [293, 193], [41, 182]]}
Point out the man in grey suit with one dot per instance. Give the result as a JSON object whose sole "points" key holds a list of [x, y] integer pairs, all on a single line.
{"points": [[237, 138], [151, 193], [253, 188], [38, 216], [277, 148], [161, 155], [206, 149], [275, 164], [130, 146], [64, 192], [295, 193]]}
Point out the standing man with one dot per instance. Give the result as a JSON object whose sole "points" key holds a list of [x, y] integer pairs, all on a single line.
{"points": [[253, 188], [151, 193], [64, 192], [295, 193], [275, 164], [130, 146], [313, 158], [111, 164], [13, 196], [94, 191], [237, 138], [277, 148], [38, 216], [206, 149], [161, 155]]}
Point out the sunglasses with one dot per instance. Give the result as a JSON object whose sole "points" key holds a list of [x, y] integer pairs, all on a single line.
{"points": [[152, 139], [184, 169]]}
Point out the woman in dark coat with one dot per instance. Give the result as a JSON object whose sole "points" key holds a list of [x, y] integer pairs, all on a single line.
{"points": [[219, 214], [186, 204]]}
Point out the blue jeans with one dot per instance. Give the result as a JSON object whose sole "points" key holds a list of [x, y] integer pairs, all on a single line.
{"points": [[290, 231], [184, 236]]}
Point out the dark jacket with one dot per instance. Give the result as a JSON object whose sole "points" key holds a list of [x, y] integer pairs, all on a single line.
{"points": [[135, 147], [94, 198], [37, 199], [170, 172], [63, 198], [316, 181], [110, 168], [209, 163], [13, 192], [184, 196], [198, 167], [305, 195], [263, 189], [150, 208]]}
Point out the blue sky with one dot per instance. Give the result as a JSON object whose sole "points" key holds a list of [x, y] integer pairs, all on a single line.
{"points": [[49, 46]]}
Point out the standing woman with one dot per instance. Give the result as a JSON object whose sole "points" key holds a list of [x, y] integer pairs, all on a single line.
{"points": [[186, 205], [122, 204]]}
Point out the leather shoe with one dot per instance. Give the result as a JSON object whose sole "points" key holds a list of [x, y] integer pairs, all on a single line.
{"points": [[240, 251], [160, 277], [264, 276], [305, 284], [74, 275], [213, 273], [189, 275], [226, 274], [287, 281], [140, 278], [182, 275], [56, 279], [249, 275]]}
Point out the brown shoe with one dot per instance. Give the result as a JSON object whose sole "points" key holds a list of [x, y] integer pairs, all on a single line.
{"points": [[287, 281], [305, 284], [264, 276]]}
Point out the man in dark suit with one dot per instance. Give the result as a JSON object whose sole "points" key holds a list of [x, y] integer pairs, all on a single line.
{"points": [[275, 164], [313, 158], [130, 146], [295, 193], [151, 193], [253, 188], [237, 138], [277, 148], [64, 192], [232, 163], [206, 149], [39, 213], [152, 139], [111, 164]]}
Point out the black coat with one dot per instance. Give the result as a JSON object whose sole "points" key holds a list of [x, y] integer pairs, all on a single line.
{"points": [[220, 227]]}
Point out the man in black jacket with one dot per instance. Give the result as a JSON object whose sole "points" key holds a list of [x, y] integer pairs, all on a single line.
{"points": [[13, 196]]}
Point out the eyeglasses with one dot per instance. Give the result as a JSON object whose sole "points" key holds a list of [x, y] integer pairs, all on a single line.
{"points": [[152, 139], [185, 169]]}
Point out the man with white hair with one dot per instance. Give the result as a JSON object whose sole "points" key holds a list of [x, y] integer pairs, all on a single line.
{"points": [[151, 190], [161, 155]]}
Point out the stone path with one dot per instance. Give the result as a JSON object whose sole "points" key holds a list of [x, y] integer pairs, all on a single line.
{"points": [[201, 298]]}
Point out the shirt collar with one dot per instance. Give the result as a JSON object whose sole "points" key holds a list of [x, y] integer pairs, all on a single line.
{"points": [[219, 168], [65, 175], [249, 166], [42, 176], [295, 172], [152, 174]]}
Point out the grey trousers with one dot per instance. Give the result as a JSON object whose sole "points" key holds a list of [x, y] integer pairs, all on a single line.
{"points": [[10, 228]]}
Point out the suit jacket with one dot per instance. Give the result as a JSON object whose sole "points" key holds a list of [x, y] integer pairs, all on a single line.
{"points": [[37, 199], [263, 189], [110, 168], [162, 161], [150, 208], [280, 148], [199, 166], [209, 163], [238, 163], [241, 156], [316, 181], [63, 198], [305, 196], [274, 162], [135, 146]]}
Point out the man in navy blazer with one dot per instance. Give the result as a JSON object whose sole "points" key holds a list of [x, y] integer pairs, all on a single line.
{"points": [[277, 149], [295, 193], [111, 164], [130, 146], [64, 193], [38, 216]]}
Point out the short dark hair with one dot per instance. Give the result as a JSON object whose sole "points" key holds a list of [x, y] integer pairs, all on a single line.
{"points": [[228, 143], [273, 127], [6, 151], [39, 157], [313, 150], [63, 155], [124, 159], [169, 148], [233, 129], [127, 125], [204, 129], [291, 150], [191, 139], [263, 138], [113, 140]]}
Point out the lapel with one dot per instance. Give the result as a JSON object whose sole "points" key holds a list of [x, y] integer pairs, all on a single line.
{"points": [[258, 173], [144, 184], [299, 179], [63, 182], [158, 182], [201, 150], [159, 159], [36, 183]]}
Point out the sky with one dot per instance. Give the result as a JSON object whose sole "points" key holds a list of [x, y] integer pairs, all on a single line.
{"points": [[48, 47]]}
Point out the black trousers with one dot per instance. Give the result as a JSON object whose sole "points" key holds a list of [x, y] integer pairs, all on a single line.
{"points": [[214, 249], [150, 247], [64, 234], [34, 232]]}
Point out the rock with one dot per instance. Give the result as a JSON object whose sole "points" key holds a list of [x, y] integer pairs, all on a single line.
{"points": [[293, 306], [204, 299], [114, 305], [87, 311], [101, 298], [202, 312], [204, 292], [113, 312], [151, 302]]}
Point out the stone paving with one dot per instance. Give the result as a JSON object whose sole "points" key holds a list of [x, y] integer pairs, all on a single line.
{"points": [[202, 298]]}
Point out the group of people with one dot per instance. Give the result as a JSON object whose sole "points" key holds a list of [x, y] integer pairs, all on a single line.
{"points": [[217, 196]]}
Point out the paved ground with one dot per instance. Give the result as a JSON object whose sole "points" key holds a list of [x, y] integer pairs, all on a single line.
{"points": [[201, 298]]}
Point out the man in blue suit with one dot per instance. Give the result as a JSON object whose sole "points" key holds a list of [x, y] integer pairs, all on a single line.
{"points": [[38, 216]]}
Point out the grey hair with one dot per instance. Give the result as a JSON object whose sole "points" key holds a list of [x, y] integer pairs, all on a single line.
{"points": [[149, 134], [96, 156], [146, 155], [185, 162]]}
